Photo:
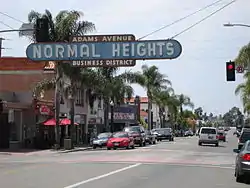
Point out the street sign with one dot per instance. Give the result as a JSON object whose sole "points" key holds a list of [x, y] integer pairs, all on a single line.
{"points": [[104, 38], [132, 50], [240, 69]]}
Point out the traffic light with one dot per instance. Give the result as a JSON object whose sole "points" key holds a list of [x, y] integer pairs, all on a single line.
{"points": [[42, 30], [230, 71]]}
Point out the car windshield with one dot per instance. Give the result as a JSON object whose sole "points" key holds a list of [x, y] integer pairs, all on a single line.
{"points": [[221, 134], [163, 131], [132, 129], [208, 131], [120, 135], [103, 135], [245, 136], [248, 147]]}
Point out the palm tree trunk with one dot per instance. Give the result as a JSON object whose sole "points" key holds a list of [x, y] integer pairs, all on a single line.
{"points": [[57, 109]]}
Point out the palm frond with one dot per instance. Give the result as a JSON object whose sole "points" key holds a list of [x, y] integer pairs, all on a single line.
{"points": [[44, 85]]}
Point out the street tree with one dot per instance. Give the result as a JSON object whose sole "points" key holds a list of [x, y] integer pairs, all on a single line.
{"points": [[152, 80]]}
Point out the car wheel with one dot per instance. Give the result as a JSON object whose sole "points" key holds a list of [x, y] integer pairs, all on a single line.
{"points": [[108, 148], [94, 147], [224, 140], [133, 146], [127, 147], [144, 143], [217, 144], [200, 144], [154, 142], [114, 148], [239, 178]]}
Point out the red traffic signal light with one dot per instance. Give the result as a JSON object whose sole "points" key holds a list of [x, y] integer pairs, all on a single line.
{"points": [[230, 71], [230, 66]]}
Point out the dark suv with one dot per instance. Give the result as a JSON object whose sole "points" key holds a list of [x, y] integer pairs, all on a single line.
{"points": [[138, 133], [164, 134], [244, 136]]}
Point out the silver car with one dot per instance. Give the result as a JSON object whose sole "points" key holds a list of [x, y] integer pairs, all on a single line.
{"points": [[242, 163]]}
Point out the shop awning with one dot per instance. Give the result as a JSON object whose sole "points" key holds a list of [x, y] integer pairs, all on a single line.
{"points": [[66, 121], [52, 122]]}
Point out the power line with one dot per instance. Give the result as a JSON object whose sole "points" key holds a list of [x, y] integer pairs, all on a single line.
{"points": [[213, 13], [183, 18], [11, 17], [1, 22]]}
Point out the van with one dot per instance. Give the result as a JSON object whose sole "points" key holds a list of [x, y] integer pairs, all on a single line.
{"points": [[208, 135]]}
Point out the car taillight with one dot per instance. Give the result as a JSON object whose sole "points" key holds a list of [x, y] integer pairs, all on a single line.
{"points": [[246, 157], [217, 136]]}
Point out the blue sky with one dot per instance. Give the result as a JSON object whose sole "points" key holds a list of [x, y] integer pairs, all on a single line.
{"points": [[199, 72]]}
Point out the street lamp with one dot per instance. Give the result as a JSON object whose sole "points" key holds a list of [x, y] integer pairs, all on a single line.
{"points": [[112, 116], [237, 25]]}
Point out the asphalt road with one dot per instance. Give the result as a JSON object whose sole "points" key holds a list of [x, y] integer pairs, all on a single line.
{"points": [[166, 164]]}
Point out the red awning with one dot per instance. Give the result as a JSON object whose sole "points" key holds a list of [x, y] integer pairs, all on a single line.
{"points": [[66, 121], [52, 122]]}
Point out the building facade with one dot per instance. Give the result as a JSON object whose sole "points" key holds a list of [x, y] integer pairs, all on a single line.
{"points": [[22, 111], [144, 107]]}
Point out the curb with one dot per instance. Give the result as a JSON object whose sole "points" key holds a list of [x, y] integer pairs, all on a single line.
{"points": [[5, 153], [75, 150]]}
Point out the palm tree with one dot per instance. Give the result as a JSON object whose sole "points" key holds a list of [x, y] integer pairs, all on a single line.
{"points": [[243, 58], [244, 90], [183, 101], [60, 29], [163, 100], [112, 87], [151, 80]]}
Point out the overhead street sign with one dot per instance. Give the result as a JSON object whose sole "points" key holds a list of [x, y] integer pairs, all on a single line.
{"points": [[104, 38], [133, 50]]}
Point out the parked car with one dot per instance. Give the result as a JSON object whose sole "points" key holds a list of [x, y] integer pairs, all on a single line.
{"points": [[222, 136], [120, 140], [150, 138], [237, 133], [242, 163], [164, 134], [101, 140], [188, 133], [208, 135], [244, 136], [138, 133]]}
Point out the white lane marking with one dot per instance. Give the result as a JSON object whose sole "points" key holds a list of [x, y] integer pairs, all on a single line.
{"points": [[103, 176]]}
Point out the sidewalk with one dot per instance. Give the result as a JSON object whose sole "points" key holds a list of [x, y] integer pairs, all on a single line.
{"points": [[76, 149], [47, 152]]}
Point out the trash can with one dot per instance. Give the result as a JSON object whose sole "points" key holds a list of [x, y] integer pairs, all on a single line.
{"points": [[68, 143]]}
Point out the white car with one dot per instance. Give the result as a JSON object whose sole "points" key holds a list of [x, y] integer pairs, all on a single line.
{"points": [[208, 135]]}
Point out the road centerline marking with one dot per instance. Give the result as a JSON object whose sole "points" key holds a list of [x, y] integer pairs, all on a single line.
{"points": [[103, 176]]}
